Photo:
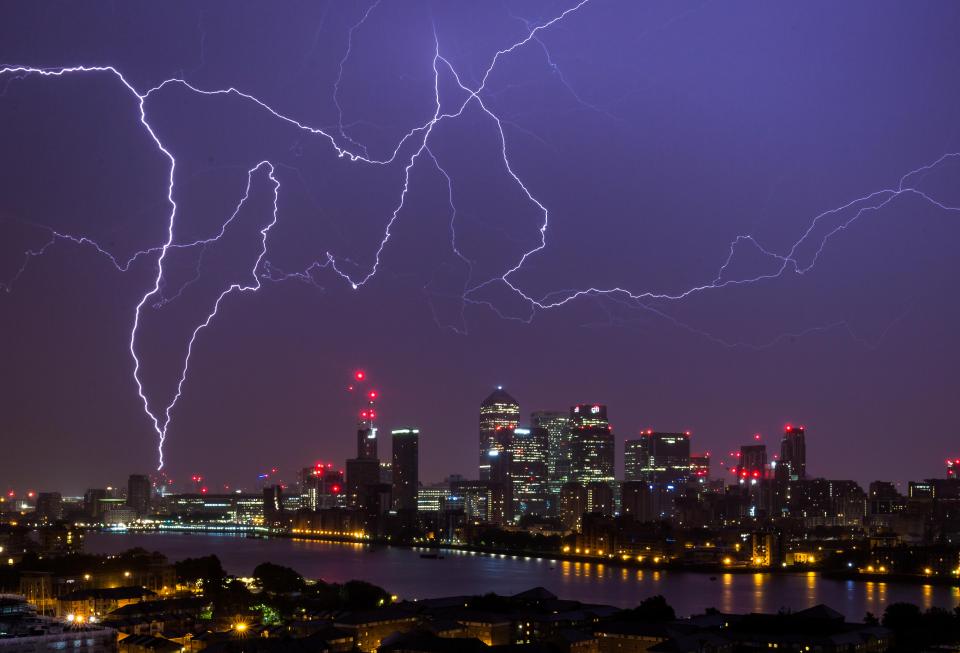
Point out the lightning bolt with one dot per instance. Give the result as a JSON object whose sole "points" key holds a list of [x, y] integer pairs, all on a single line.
{"points": [[418, 139]]}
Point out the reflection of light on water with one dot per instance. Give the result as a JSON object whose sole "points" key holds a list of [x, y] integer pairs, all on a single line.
{"points": [[656, 577], [927, 597], [726, 595], [758, 581]]}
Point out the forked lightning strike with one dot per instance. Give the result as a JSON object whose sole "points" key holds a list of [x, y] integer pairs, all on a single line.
{"points": [[418, 139]]}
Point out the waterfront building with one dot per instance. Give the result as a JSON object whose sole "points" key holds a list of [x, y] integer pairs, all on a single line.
{"points": [[92, 506], [49, 506], [273, 510], [433, 498], [321, 486], [406, 474], [361, 474], [138, 493]]}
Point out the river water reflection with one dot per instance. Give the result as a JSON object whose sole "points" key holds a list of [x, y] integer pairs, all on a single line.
{"points": [[404, 572]]}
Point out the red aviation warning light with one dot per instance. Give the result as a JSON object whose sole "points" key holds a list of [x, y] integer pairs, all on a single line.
{"points": [[372, 395], [335, 489], [359, 375], [756, 436]]}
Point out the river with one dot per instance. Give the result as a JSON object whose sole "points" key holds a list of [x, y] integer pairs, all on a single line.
{"points": [[403, 572]]}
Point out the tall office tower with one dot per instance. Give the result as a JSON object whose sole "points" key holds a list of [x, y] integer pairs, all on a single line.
{"points": [[321, 486], [792, 465], [753, 461], [406, 468], [91, 502], [592, 445], [362, 474], [633, 451], [953, 468], [49, 506], [557, 426], [700, 468], [273, 511], [499, 411], [367, 434], [658, 458], [138, 493], [367, 428], [528, 471]]}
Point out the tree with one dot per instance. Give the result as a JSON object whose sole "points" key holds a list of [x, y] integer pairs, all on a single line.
{"points": [[654, 610], [278, 579], [902, 617], [207, 571], [232, 601], [360, 595]]}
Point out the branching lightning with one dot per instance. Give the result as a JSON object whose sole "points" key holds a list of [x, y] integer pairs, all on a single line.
{"points": [[418, 140]]}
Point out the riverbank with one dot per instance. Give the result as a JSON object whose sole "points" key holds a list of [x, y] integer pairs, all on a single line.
{"points": [[648, 563], [405, 573]]}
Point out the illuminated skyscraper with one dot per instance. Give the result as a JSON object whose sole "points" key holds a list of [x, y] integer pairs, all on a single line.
{"points": [[528, 471], [591, 445], [793, 454], [658, 458], [498, 412], [557, 426], [406, 474]]}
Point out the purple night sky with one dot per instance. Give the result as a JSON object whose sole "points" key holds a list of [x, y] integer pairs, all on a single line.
{"points": [[654, 133]]}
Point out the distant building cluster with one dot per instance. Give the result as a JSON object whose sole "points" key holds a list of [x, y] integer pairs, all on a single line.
{"points": [[554, 475]]}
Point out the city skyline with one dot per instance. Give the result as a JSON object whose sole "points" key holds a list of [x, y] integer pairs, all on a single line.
{"points": [[753, 456], [708, 218]]}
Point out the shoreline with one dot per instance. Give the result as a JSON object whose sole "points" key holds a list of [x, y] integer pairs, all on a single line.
{"points": [[711, 570]]}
